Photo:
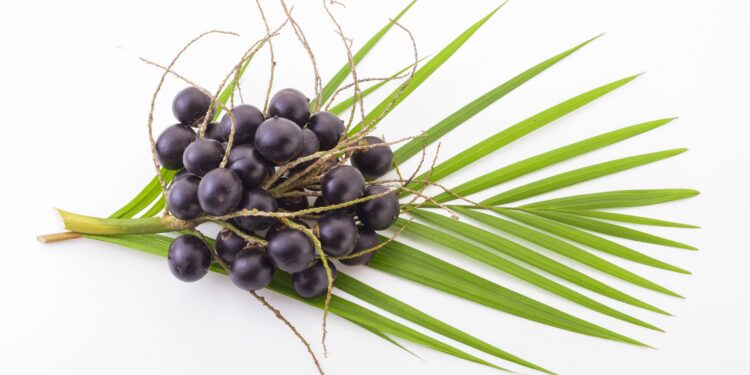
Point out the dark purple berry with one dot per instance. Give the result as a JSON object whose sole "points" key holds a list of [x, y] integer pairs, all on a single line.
{"points": [[375, 161], [247, 119], [180, 175], [293, 203], [251, 270], [337, 234], [213, 131], [310, 145], [220, 191], [247, 162], [228, 244], [329, 129], [279, 226], [172, 143], [292, 91], [291, 250], [313, 281], [367, 240], [290, 105], [258, 199], [190, 106], [278, 140], [188, 258], [381, 212], [342, 184], [202, 156], [182, 199]]}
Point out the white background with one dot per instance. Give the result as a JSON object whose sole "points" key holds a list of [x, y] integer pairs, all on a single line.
{"points": [[75, 100]]}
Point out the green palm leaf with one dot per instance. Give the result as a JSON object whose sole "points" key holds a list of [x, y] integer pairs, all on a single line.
{"points": [[614, 199], [577, 176], [147, 195], [159, 245], [345, 70], [421, 75], [454, 243], [565, 225], [563, 248], [531, 257], [468, 111], [347, 103], [607, 228], [587, 239], [633, 219], [517, 131], [377, 298], [547, 159], [407, 262]]}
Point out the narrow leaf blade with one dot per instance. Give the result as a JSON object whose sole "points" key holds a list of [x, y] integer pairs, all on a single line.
{"points": [[614, 199], [517, 131], [608, 228], [587, 239], [547, 159], [577, 176], [468, 111]]}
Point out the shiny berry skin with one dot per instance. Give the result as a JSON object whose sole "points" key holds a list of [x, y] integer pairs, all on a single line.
{"points": [[190, 105], [247, 119], [278, 140], [290, 105], [329, 129], [251, 270], [381, 212], [182, 199], [310, 145], [293, 203], [188, 258], [202, 156], [337, 234], [213, 131], [375, 161], [313, 282], [292, 91], [171, 145], [342, 184], [228, 244], [261, 200], [247, 162], [367, 240], [180, 175], [220, 191], [279, 226], [291, 250]]}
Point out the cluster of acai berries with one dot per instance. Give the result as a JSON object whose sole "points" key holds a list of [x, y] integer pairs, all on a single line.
{"points": [[261, 143]]}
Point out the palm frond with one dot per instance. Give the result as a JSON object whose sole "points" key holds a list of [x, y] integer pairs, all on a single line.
{"points": [[564, 225], [614, 199], [587, 239], [477, 105], [407, 262], [546, 159], [625, 218], [423, 73], [335, 82], [577, 176], [563, 248], [159, 245], [512, 133], [607, 228], [486, 256]]}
